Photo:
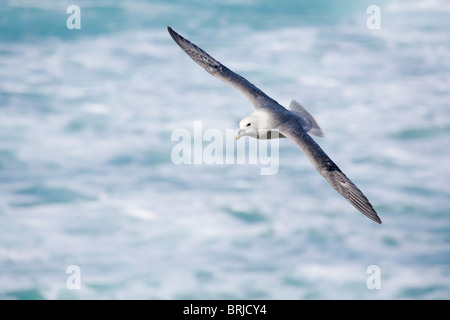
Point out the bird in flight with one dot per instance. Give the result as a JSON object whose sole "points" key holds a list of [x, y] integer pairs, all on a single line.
{"points": [[271, 120]]}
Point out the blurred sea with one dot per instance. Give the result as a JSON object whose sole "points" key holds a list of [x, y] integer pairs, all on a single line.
{"points": [[86, 176]]}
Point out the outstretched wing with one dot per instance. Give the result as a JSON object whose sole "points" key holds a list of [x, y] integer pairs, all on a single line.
{"points": [[328, 169], [214, 67]]}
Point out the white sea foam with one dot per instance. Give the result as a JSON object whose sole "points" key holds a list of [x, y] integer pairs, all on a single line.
{"points": [[86, 177]]}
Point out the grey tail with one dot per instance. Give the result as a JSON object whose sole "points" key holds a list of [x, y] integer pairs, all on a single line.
{"points": [[309, 123]]}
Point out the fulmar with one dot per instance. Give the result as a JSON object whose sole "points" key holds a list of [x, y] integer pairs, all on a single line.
{"points": [[271, 120]]}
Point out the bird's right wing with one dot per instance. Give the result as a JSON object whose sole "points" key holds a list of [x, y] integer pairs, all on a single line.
{"points": [[214, 67], [328, 169]]}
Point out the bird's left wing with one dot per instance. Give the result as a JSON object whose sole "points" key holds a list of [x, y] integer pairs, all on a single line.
{"points": [[328, 169]]}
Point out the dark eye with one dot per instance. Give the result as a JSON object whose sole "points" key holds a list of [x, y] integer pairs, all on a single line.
{"points": [[249, 124]]}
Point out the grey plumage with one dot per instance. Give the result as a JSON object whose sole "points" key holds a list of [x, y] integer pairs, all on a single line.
{"points": [[294, 123], [214, 67], [308, 122]]}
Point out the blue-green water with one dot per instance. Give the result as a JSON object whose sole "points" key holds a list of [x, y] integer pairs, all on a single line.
{"points": [[86, 176]]}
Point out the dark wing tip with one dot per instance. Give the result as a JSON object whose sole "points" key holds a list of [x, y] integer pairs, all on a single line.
{"points": [[182, 42], [354, 195], [374, 216], [328, 169], [173, 34], [367, 209]]}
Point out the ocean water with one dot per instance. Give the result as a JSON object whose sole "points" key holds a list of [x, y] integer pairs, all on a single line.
{"points": [[88, 182]]}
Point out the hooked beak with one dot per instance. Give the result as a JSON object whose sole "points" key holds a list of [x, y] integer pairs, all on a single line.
{"points": [[240, 134]]}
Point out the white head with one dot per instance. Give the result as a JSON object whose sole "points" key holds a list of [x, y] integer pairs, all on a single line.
{"points": [[248, 127]]}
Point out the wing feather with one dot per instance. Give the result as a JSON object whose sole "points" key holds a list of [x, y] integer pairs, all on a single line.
{"points": [[328, 169], [214, 67]]}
